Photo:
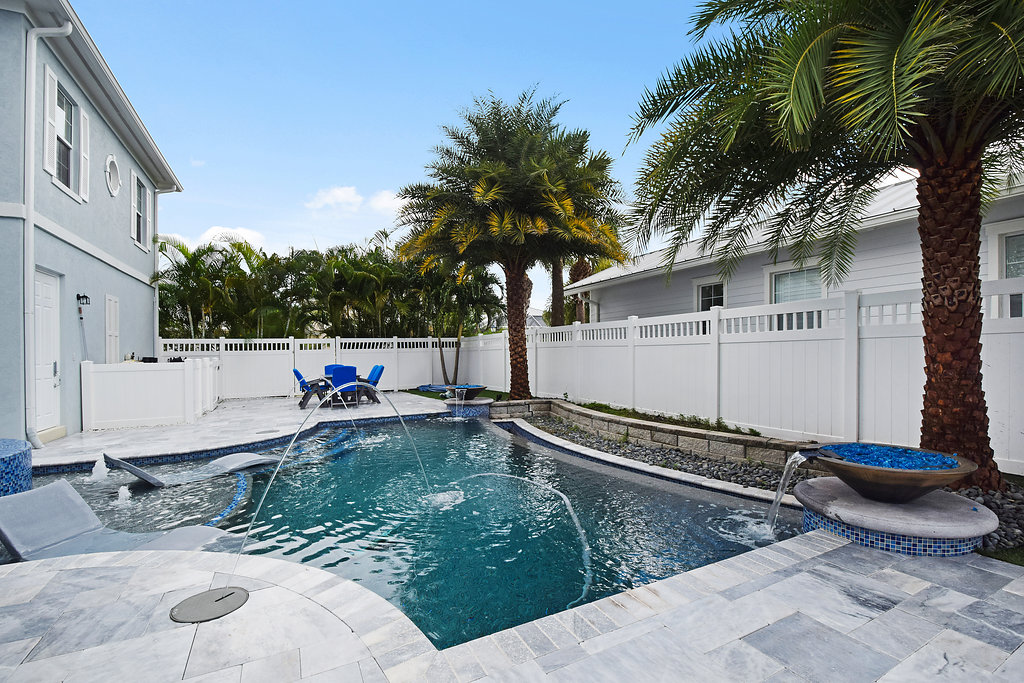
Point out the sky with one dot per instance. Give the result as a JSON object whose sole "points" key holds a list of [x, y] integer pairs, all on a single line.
{"points": [[294, 124]]}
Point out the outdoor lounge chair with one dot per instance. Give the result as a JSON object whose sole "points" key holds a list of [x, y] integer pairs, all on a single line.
{"points": [[53, 521], [214, 468], [320, 387], [375, 374]]}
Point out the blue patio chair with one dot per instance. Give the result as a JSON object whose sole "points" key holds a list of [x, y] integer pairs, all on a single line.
{"points": [[342, 375], [320, 387], [375, 374]]}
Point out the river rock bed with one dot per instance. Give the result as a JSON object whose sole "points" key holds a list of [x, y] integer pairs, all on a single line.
{"points": [[746, 474], [1008, 505]]}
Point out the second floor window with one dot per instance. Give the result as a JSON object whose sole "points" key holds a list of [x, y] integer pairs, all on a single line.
{"points": [[65, 128], [66, 139], [142, 212]]}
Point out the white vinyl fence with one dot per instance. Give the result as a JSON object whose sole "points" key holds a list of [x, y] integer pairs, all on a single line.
{"points": [[849, 367], [148, 394], [263, 367]]}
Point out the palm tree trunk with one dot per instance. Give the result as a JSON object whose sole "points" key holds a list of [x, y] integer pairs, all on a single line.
{"points": [[458, 351], [519, 372], [444, 369], [557, 294], [955, 417]]}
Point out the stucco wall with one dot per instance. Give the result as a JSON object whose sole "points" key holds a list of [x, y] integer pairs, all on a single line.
{"points": [[12, 386], [83, 274], [104, 221], [12, 111]]}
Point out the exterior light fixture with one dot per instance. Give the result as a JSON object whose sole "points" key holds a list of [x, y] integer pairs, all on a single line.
{"points": [[83, 300]]}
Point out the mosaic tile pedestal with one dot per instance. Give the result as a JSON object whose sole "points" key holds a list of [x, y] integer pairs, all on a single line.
{"points": [[15, 466], [939, 523], [476, 407]]}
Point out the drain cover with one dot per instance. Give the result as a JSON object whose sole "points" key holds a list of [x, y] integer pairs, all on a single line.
{"points": [[210, 605]]}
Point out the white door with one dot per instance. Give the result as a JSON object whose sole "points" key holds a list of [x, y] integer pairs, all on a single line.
{"points": [[113, 329], [47, 351]]}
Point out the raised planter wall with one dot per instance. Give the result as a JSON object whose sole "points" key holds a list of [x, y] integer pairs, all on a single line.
{"points": [[700, 442]]}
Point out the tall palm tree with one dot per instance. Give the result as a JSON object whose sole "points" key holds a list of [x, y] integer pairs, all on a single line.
{"points": [[501, 194], [790, 123]]}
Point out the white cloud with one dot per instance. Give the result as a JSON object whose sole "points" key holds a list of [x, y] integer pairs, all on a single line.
{"points": [[345, 197], [217, 233], [196, 163], [385, 202]]}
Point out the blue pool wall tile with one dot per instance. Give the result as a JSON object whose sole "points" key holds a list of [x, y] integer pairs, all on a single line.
{"points": [[896, 543], [15, 466]]}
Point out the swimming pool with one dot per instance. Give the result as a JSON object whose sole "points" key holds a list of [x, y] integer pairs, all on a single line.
{"points": [[462, 555]]}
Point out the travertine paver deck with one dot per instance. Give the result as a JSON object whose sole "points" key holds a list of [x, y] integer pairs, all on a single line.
{"points": [[812, 608], [231, 422]]}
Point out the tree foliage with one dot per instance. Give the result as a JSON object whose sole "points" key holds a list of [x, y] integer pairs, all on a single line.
{"points": [[782, 130], [512, 187], [235, 289]]}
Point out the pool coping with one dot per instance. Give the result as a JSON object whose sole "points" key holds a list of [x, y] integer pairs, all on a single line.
{"points": [[84, 465], [523, 428]]}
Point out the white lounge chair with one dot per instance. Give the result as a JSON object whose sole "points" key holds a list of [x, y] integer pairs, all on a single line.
{"points": [[53, 520]]}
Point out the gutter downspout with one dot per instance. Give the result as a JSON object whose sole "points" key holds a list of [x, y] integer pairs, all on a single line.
{"points": [[29, 264]]}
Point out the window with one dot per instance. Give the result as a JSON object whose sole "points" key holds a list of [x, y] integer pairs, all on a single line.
{"points": [[66, 143], [1014, 267], [796, 285], [711, 294], [113, 175], [142, 212], [65, 128]]}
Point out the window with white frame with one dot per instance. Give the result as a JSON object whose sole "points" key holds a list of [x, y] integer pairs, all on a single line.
{"points": [[796, 285], [66, 143], [710, 294], [1014, 256], [142, 212], [1013, 266]]}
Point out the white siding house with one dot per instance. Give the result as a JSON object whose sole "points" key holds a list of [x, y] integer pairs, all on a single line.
{"points": [[888, 258], [79, 186]]}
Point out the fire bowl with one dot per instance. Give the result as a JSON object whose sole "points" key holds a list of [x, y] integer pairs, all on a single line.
{"points": [[892, 485], [471, 391]]}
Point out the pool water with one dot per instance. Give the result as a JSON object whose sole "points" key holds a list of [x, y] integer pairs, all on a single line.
{"points": [[461, 557]]}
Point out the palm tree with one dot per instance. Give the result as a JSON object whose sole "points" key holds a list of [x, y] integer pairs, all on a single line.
{"points": [[501, 194], [187, 286], [789, 124]]}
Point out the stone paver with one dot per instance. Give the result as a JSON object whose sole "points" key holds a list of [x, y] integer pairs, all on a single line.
{"points": [[833, 616], [232, 422], [810, 608]]}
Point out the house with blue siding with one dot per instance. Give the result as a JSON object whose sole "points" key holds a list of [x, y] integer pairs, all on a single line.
{"points": [[79, 186], [888, 258]]}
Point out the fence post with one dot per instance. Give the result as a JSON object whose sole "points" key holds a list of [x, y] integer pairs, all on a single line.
{"points": [[576, 332], [536, 361], [631, 349], [220, 360], [188, 400], [295, 364], [394, 355], [88, 400], [716, 359], [505, 360], [851, 365], [337, 349]]}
